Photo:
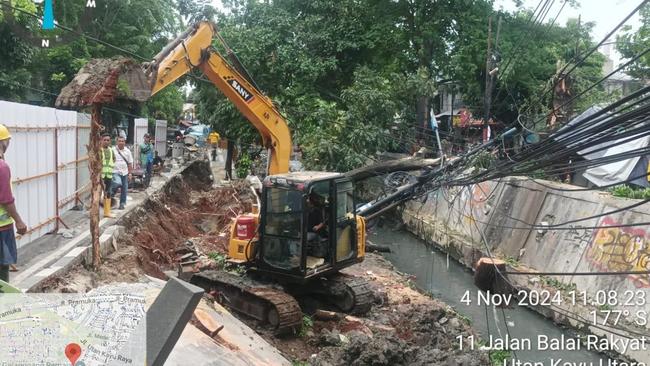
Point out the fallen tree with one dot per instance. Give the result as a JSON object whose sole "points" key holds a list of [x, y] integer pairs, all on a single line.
{"points": [[389, 166], [99, 82]]}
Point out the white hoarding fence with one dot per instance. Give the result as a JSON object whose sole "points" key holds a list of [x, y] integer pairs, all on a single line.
{"points": [[140, 129], [48, 157], [161, 138], [42, 158]]}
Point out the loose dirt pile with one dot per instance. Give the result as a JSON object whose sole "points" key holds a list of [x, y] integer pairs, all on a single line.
{"points": [[404, 327]]}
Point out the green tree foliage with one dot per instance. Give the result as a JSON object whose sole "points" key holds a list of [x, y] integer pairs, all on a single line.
{"points": [[530, 55], [632, 43], [167, 105], [139, 28], [352, 77], [16, 57]]}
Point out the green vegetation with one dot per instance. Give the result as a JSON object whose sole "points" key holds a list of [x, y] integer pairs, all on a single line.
{"points": [[352, 77], [483, 160], [140, 27], [307, 324], [464, 318], [299, 363], [219, 258], [497, 357], [243, 165], [629, 192], [631, 43], [548, 281], [512, 262]]}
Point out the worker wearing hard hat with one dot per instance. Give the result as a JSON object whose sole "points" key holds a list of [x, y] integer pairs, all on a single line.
{"points": [[8, 214]]}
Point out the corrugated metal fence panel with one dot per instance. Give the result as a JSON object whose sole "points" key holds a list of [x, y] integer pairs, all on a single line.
{"points": [[67, 162], [83, 138], [31, 157], [161, 138], [141, 125]]}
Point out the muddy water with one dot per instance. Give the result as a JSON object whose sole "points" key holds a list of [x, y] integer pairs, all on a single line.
{"points": [[447, 280]]}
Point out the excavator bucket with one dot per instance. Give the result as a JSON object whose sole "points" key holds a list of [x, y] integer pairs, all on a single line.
{"points": [[103, 81]]}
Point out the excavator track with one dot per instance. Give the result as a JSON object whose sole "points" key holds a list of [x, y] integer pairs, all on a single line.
{"points": [[266, 304], [350, 294]]}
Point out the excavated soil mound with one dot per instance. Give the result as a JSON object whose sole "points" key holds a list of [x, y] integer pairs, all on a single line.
{"points": [[404, 327], [188, 207]]}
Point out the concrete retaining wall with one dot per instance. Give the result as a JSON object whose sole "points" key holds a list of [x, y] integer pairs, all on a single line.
{"points": [[495, 217]]}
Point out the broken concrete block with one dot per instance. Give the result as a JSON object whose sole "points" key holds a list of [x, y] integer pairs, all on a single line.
{"points": [[209, 324], [167, 317]]}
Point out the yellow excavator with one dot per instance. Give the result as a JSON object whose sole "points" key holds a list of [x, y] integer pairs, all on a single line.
{"points": [[306, 230]]}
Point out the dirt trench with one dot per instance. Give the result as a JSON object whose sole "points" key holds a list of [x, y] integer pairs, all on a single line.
{"points": [[188, 211], [405, 327]]}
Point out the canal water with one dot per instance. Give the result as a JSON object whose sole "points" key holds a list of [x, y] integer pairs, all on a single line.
{"points": [[448, 280]]}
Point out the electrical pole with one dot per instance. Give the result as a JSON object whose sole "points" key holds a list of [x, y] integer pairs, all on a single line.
{"points": [[490, 72], [487, 98]]}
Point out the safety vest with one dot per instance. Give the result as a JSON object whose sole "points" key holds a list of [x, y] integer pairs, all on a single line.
{"points": [[213, 137], [5, 219], [107, 163]]}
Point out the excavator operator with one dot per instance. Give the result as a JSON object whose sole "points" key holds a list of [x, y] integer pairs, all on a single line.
{"points": [[317, 225]]}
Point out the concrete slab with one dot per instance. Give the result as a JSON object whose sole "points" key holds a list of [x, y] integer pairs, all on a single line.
{"points": [[236, 344], [167, 317]]}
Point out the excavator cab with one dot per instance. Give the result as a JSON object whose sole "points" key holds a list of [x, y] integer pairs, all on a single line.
{"points": [[308, 226]]}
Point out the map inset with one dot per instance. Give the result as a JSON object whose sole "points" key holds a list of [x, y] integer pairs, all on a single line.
{"points": [[108, 328]]}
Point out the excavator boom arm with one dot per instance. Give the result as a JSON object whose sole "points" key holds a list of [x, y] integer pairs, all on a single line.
{"points": [[193, 49]]}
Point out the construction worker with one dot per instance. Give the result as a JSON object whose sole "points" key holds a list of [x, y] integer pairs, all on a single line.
{"points": [[8, 214], [108, 165], [146, 158], [213, 139]]}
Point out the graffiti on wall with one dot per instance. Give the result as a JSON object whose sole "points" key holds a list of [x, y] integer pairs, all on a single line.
{"points": [[621, 249], [579, 236], [476, 198]]}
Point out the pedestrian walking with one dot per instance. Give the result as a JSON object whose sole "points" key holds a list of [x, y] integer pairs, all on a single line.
{"points": [[213, 139], [122, 170], [146, 158], [9, 216], [108, 165]]}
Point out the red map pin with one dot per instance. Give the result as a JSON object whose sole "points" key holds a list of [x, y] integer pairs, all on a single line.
{"points": [[73, 352]]}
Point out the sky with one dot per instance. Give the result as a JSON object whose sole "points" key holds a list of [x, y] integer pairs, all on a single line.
{"points": [[605, 13]]}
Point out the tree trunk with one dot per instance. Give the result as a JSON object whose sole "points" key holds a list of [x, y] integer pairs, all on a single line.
{"points": [[95, 166], [229, 153]]}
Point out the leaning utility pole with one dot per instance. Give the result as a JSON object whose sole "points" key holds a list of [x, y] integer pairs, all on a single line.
{"points": [[490, 72], [487, 98]]}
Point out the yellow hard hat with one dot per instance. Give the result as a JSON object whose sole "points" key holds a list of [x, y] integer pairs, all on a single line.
{"points": [[4, 132]]}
